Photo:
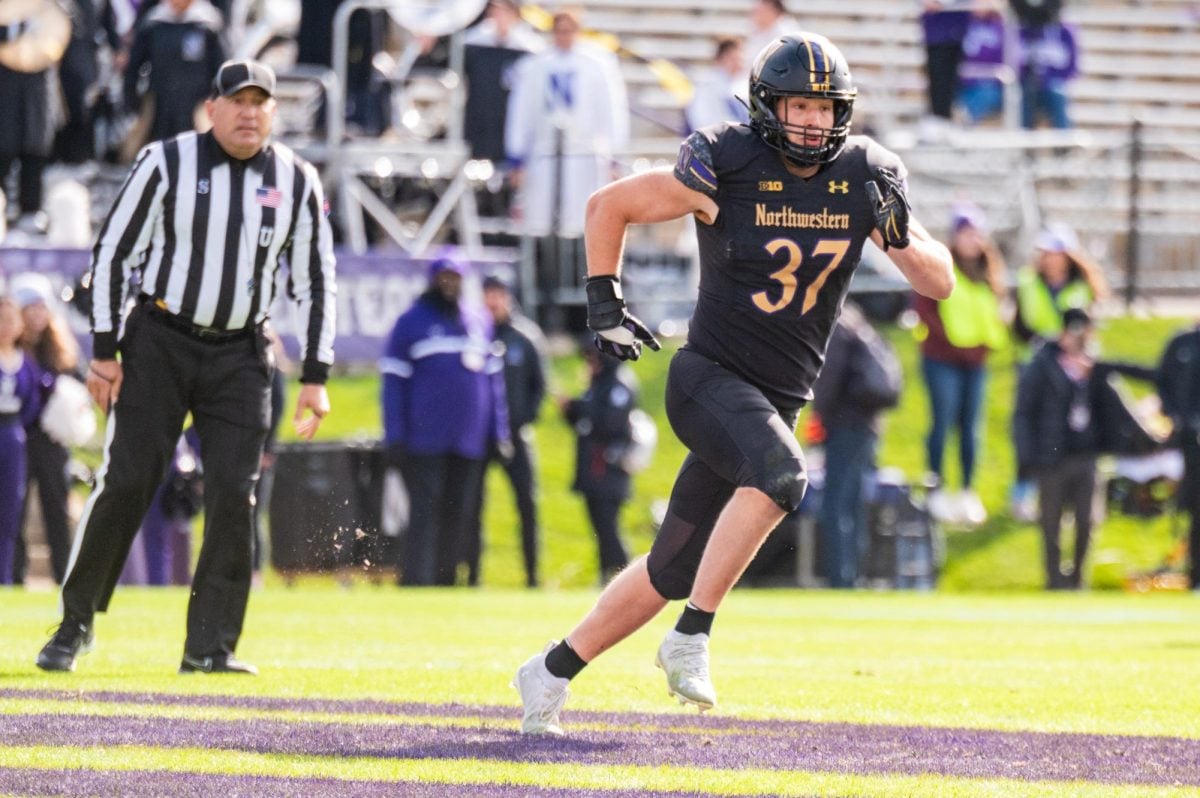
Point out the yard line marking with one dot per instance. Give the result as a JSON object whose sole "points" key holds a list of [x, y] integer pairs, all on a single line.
{"points": [[842, 748]]}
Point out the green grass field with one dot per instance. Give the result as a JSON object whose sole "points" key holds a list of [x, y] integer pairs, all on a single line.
{"points": [[985, 687], [407, 692]]}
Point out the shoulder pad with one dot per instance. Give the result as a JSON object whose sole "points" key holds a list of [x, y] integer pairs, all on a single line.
{"points": [[694, 167]]}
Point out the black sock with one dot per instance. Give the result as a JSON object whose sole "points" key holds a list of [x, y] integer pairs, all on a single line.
{"points": [[695, 621], [563, 662]]}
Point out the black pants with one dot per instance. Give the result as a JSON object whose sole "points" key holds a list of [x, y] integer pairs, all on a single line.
{"points": [[941, 69], [29, 183], [75, 140], [604, 513], [46, 464], [1067, 485], [521, 472], [443, 492], [225, 386]]}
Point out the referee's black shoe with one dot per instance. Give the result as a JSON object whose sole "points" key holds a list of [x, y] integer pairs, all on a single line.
{"points": [[72, 638], [219, 663]]}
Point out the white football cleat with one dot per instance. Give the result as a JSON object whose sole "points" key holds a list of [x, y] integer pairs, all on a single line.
{"points": [[684, 658], [542, 694]]}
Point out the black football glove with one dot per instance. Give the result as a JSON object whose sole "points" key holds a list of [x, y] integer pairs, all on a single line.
{"points": [[617, 332], [891, 208]]}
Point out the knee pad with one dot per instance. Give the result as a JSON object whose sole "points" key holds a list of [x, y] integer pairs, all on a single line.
{"points": [[786, 484]]}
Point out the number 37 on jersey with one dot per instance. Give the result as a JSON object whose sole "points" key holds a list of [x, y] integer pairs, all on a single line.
{"points": [[830, 253]]}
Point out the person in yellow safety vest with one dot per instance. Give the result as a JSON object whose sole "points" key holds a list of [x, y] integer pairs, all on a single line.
{"points": [[1062, 276], [956, 334]]}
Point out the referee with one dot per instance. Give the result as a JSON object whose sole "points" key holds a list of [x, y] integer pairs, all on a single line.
{"points": [[201, 226]]}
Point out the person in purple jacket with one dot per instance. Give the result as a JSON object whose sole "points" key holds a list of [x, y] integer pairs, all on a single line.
{"points": [[443, 406], [980, 90], [22, 391], [1049, 60]]}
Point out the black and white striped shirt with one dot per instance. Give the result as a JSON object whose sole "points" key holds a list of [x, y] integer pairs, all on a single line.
{"points": [[206, 232]]}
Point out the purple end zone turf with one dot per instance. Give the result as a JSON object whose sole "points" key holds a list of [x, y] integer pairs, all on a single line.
{"points": [[839, 747], [154, 784]]}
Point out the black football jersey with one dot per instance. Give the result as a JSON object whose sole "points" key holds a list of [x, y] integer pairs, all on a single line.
{"points": [[776, 265]]}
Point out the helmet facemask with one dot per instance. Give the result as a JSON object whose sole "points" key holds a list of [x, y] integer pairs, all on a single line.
{"points": [[801, 65]]}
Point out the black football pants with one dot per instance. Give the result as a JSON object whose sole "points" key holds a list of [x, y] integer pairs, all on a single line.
{"points": [[225, 386]]}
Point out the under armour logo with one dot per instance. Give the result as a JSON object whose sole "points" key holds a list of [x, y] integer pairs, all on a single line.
{"points": [[839, 188], [202, 186]]}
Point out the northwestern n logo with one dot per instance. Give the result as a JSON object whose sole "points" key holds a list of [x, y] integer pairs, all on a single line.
{"points": [[562, 94], [839, 188]]}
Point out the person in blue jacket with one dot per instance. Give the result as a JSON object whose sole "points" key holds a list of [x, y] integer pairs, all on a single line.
{"points": [[443, 407], [600, 418]]}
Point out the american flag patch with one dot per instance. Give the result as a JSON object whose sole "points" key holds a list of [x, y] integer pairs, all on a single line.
{"points": [[268, 196]]}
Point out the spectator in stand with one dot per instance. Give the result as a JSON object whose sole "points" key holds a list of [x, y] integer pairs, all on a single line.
{"points": [[21, 390], [850, 405], [1063, 421], [179, 44], [715, 100], [1178, 382], [1049, 60], [30, 117], [1036, 13], [957, 334], [523, 347], [600, 418], [443, 404], [366, 94], [980, 89], [769, 20], [567, 117], [943, 26], [50, 344], [493, 48], [77, 74]]}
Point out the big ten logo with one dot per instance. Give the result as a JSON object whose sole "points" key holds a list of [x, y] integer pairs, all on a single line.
{"points": [[770, 185], [369, 304]]}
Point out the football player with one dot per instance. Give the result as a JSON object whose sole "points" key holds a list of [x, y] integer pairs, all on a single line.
{"points": [[784, 205]]}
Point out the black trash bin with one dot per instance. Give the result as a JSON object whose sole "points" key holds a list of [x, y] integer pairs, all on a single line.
{"points": [[326, 505]]}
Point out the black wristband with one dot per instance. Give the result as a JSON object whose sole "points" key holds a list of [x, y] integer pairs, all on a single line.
{"points": [[314, 372], [104, 345], [606, 305]]}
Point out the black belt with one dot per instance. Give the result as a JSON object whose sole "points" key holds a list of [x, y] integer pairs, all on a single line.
{"points": [[211, 335]]}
